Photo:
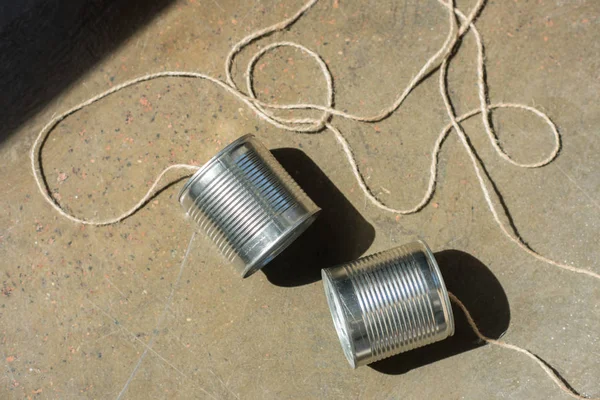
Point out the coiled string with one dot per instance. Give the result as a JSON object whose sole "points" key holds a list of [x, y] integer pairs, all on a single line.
{"points": [[459, 25]]}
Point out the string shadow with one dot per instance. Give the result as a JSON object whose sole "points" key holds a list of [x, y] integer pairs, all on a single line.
{"points": [[339, 234], [475, 285]]}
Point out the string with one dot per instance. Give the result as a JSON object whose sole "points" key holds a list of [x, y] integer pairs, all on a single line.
{"points": [[459, 25], [552, 374]]}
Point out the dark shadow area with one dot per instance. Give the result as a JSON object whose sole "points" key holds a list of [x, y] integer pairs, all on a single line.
{"points": [[338, 235], [475, 285], [45, 45]]}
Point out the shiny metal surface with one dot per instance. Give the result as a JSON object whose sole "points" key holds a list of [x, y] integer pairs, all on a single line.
{"points": [[388, 303], [247, 204]]}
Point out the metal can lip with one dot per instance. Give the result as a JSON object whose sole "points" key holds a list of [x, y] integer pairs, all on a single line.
{"points": [[198, 174], [440, 286], [281, 244], [340, 323]]}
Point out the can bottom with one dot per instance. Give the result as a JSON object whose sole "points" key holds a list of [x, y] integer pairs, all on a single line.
{"points": [[339, 321]]}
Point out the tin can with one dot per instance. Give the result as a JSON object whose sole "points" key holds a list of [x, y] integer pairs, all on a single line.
{"points": [[247, 204], [388, 303]]}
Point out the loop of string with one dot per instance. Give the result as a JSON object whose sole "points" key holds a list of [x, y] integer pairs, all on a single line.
{"points": [[459, 25]]}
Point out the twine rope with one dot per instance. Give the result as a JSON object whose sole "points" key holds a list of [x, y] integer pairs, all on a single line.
{"points": [[459, 25]]}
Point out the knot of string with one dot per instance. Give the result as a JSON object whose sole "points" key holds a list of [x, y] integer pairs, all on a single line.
{"points": [[459, 25]]}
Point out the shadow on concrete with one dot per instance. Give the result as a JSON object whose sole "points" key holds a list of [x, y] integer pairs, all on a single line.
{"points": [[338, 235], [46, 45], [475, 285]]}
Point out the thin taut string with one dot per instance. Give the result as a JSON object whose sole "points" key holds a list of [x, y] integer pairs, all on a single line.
{"points": [[440, 59]]}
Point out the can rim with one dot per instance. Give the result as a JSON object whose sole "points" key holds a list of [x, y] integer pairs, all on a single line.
{"points": [[441, 286], [198, 174], [340, 319]]}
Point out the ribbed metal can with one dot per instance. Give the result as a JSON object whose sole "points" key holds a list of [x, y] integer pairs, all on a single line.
{"points": [[247, 204], [388, 303]]}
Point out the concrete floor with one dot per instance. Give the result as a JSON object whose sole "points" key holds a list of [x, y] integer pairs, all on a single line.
{"points": [[80, 306]]}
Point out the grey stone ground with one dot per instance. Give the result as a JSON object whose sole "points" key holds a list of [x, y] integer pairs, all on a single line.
{"points": [[79, 306]]}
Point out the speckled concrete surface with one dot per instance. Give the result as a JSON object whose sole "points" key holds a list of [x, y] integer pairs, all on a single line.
{"points": [[81, 305]]}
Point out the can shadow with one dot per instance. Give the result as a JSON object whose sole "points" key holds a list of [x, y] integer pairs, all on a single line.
{"points": [[479, 290], [338, 235]]}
